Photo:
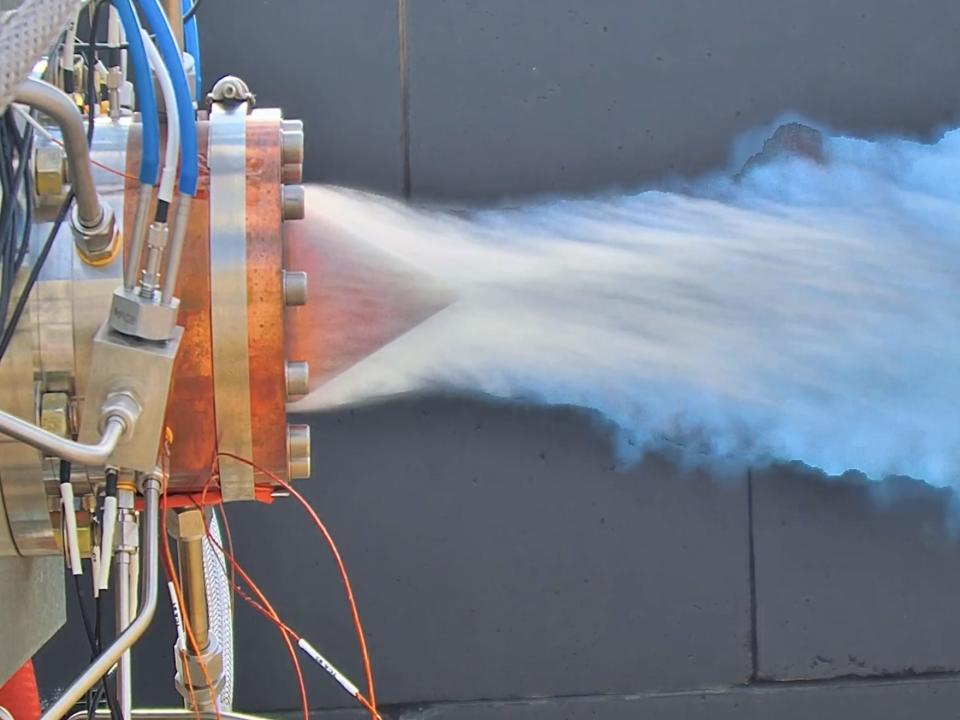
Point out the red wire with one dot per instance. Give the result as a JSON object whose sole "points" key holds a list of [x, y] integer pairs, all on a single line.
{"points": [[358, 626], [266, 609], [104, 167]]}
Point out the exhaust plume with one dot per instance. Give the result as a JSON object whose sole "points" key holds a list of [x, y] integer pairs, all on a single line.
{"points": [[804, 310]]}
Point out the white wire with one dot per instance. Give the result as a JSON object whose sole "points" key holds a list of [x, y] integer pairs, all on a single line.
{"points": [[106, 541], [67, 57], [168, 175]]}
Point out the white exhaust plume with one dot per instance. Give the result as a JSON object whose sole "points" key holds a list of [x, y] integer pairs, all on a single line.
{"points": [[805, 312]]}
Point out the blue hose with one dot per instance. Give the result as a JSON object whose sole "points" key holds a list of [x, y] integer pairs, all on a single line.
{"points": [[146, 97], [189, 159], [191, 42]]}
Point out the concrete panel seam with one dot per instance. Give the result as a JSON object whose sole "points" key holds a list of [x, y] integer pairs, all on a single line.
{"points": [[402, 30], [752, 575]]}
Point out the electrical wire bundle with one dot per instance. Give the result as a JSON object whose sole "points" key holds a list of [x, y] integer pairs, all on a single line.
{"points": [[16, 213]]}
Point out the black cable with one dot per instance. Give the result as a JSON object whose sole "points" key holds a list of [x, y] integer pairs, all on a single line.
{"points": [[92, 57], [192, 11], [12, 213], [34, 274]]}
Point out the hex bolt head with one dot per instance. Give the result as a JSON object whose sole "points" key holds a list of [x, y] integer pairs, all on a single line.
{"points": [[293, 202], [297, 376], [298, 452], [291, 142], [292, 174], [186, 524], [294, 288]]}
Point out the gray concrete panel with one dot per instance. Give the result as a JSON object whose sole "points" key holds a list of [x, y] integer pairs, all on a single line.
{"points": [[853, 578], [496, 552], [521, 96], [935, 699], [332, 63]]}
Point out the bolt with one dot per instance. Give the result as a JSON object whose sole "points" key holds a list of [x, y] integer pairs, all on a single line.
{"points": [[291, 142], [294, 288], [292, 174], [298, 452], [297, 376], [293, 202]]}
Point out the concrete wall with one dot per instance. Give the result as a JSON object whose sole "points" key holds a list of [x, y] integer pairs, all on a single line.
{"points": [[504, 565], [480, 99]]}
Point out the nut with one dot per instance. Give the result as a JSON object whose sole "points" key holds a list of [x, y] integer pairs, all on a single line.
{"points": [[298, 452], [291, 174], [198, 667], [55, 413], [50, 172], [291, 142], [123, 406], [294, 202], [297, 376], [145, 318], [96, 244], [186, 524], [294, 288]]}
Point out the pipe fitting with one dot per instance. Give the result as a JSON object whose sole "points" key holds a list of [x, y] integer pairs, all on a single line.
{"points": [[122, 406], [99, 242]]}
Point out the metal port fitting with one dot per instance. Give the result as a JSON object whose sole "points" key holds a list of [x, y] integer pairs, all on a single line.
{"points": [[291, 142], [208, 664], [294, 288], [298, 452], [96, 243], [121, 405], [145, 318], [296, 373], [157, 238], [293, 202]]}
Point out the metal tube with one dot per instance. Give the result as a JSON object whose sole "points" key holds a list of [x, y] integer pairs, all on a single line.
{"points": [[174, 12], [75, 452], [190, 555], [148, 606], [61, 109], [175, 250], [124, 677], [134, 261]]}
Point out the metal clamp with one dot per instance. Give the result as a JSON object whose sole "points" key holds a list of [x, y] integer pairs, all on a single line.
{"points": [[231, 90]]}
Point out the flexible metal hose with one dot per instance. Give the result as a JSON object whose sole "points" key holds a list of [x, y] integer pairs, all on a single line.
{"points": [[219, 606]]}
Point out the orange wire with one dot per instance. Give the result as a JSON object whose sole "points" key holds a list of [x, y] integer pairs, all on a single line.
{"points": [[104, 167], [183, 606], [267, 609], [358, 626], [271, 614]]}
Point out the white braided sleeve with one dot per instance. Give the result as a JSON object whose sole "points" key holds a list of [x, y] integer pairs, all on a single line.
{"points": [[26, 34]]}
